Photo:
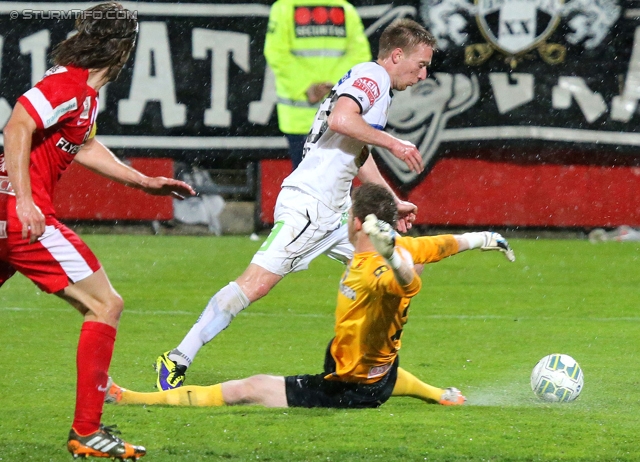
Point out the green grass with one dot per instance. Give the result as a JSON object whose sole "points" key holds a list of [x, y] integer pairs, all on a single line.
{"points": [[480, 324]]}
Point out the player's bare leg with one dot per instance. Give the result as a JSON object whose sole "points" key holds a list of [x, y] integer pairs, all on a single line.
{"points": [[265, 390], [252, 285], [95, 298], [101, 306]]}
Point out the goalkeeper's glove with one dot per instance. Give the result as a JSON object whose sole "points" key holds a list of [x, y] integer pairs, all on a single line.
{"points": [[383, 238], [487, 240]]}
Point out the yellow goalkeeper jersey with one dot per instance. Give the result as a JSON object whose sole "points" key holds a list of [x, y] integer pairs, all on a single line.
{"points": [[372, 309]]}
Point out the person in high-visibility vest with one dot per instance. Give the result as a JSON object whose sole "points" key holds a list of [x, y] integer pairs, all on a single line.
{"points": [[310, 45]]}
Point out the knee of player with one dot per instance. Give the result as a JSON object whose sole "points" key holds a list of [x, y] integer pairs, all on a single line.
{"points": [[261, 290], [113, 307], [236, 391], [248, 390]]}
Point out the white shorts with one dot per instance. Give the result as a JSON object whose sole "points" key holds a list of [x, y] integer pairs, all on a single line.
{"points": [[304, 228]]}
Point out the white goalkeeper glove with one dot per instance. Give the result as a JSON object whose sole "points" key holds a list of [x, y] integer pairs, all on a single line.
{"points": [[487, 240], [383, 238]]}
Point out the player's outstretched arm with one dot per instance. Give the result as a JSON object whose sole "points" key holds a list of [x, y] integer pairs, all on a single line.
{"points": [[98, 158], [345, 119], [487, 240]]}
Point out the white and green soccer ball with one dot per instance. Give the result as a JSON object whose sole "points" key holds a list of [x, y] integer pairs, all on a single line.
{"points": [[557, 378]]}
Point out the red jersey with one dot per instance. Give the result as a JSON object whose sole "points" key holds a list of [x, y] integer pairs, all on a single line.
{"points": [[64, 108]]}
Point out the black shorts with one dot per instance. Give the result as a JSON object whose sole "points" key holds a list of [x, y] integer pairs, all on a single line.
{"points": [[315, 391]]}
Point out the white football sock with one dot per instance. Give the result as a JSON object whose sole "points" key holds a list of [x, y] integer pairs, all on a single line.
{"points": [[220, 310]]}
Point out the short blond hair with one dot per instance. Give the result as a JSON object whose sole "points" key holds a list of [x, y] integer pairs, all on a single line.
{"points": [[405, 34]]}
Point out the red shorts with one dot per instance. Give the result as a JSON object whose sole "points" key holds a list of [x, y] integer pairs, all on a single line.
{"points": [[57, 259]]}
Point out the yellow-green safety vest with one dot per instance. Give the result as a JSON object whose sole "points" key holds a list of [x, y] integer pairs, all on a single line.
{"points": [[307, 42]]}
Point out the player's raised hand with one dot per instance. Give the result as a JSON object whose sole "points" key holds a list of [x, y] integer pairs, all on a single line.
{"points": [[409, 154], [161, 186], [494, 241], [382, 235], [406, 216]]}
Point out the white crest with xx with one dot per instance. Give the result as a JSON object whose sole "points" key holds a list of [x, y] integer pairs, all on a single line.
{"points": [[516, 26]]}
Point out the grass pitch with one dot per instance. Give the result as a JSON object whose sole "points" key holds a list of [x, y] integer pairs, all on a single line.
{"points": [[480, 324]]}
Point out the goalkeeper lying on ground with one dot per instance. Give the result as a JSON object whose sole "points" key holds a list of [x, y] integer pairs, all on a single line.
{"points": [[361, 362]]}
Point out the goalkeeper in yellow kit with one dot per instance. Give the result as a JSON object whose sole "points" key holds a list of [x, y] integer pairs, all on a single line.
{"points": [[361, 364]]}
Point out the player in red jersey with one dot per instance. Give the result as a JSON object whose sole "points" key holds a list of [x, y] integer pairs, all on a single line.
{"points": [[52, 125]]}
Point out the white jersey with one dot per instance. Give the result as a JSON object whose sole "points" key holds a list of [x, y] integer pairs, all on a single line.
{"points": [[332, 160]]}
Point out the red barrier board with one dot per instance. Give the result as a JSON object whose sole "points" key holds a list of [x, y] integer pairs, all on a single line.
{"points": [[84, 195], [469, 192]]}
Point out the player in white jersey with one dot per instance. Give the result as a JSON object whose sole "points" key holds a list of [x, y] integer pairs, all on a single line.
{"points": [[331, 159], [311, 210]]}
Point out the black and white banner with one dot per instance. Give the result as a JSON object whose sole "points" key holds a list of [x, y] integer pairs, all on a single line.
{"points": [[514, 74], [197, 79], [508, 73]]}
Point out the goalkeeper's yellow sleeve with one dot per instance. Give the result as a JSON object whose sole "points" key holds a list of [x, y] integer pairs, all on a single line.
{"points": [[429, 249]]}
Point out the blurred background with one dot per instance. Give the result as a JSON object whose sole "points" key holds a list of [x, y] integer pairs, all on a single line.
{"points": [[528, 120]]}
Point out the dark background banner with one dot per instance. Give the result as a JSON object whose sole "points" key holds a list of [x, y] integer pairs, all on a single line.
{"points": [[514, 80], [197, 80]]}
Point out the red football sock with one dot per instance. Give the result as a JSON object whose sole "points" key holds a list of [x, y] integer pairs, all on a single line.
{"points": [[95, 349]]}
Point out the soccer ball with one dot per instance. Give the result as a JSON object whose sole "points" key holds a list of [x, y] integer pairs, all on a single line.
{"points": [[557, 378]]}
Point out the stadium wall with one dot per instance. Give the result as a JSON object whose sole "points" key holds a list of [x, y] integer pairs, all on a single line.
{"points": [[84, 195], [479, 193], [529, 116]]}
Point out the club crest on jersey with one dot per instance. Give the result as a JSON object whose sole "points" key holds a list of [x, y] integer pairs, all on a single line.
{"points": [[319, 21], [369, 87]]}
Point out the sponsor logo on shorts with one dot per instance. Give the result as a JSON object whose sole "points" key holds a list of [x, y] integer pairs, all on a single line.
{"points": [[3, 229], [377, 371], [369, 87]]}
